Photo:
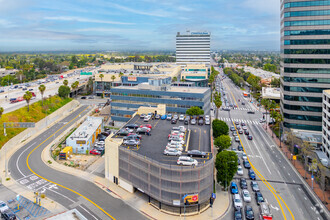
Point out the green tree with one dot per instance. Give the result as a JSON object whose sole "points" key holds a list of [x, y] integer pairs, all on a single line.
{"points": [[113, 77], [226, 165], [120, 74], [194, 111], [65, 82], [64, 91], [223, 142], [1, 111], [74, 86], [217, 101], [275, 82], [42, 89], [27, 96], [101, 77], [219, 128], [174, 79]]}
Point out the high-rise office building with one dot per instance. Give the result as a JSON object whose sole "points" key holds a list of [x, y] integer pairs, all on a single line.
{"points": [[305, 65], [193, 48]]}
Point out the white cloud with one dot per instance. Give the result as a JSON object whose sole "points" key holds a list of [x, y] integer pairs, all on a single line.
{"points": [[155, 13], [79, 19]]}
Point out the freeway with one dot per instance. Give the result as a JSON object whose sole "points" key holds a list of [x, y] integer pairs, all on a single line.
{"points": [[28, 169], [280, 184]]}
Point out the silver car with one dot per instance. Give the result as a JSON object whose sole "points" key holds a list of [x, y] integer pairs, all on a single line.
{"points": [[193, 121], [131, 142], [255, 186], [172, 152]]}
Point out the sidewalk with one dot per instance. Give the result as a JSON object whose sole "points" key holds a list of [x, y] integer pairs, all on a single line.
{"points": [[324, 197]]}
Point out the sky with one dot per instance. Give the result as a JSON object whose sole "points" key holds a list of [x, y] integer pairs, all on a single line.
{"points": [[54, 25]]}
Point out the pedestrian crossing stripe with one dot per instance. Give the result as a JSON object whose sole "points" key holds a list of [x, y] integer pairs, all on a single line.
{"points": [[240, 120], [245, 109]]}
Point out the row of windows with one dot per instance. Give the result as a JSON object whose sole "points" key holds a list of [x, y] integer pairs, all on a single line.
{"points": [[303, 108], [302, 98], [306, 4], [144, 104], [306, 13], [303, 89], [307, 61], [302, 117], [309, 41], [306, 51], [307, 32], [305, 80], [303, 127], [306, 70], [306, 23], [157, 96]]}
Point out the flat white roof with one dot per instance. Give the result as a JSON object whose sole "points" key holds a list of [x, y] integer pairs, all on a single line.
{"points": [[86, 129], [271, 93]]}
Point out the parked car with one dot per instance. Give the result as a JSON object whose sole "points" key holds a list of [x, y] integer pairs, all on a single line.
{"points": [[200, 121], [142, 116], [132, 137], [172, 152], [207, 121], [147, 118], [233, 188], [247, 164], [146, 125], [176, 147], [250, 137], [243, 103], [173, 121], [132, 126], [176, 117], [163, 117], [8, 215], [243, 183], [259, 198], [177, 142], [169, 117], [122, 132], [240, 171], [252, 175], [246, 195], [187, 161], [181, 118], [261, 120], [255, 186], [143, 130], [238, 214], [3, 206], [157, 117], [186, 121], [196, 153], [249, 214], [193, 121], [95, 152], [238, 204]]}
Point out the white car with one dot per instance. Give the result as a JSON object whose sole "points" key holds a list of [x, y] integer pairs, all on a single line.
{"points": [[246, 195], [172, 152], [3, 207], [207, 117], [174, 147], [240, 170], [238, 204], [177, 142], [244, 157], [244, 128], [181, 118], [207, 121], [187, 161], [179, 128], [146, 118], [175, 137], [177, 133]]}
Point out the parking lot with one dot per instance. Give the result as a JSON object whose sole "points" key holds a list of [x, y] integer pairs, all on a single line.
{"points": [[197, 137]]}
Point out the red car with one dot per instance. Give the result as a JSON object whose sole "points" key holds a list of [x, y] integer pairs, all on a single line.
{"points": [[250, 137], [146, 125], [95, 152]]}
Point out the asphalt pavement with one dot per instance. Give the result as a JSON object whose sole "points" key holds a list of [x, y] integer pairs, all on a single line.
{"points": [[279, 183], [68, 190]]}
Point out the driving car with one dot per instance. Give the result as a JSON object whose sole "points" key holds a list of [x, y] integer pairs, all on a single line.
{"points": [[234, 133], [244, 128], [244, 157], [131, 142], [250, 137], [243, 124], [240, 148], [261, 120], [193, 121], [238, 204], [95, 152], [238, 127], [240, 171], [247, 164], [249, 214], [187, 161], [237, 139], [243, 183], [122, 132], [251, 112], [252, 175], [196, 153], [232, 128], [174, 145], [246, 195], [172, 152], [238, 214], [243, 103], [233, 188], [163, 117], [259, 198], [246, 132], [240, 131], [255, 186], [181, 118], [236, 123], [3, 206]]}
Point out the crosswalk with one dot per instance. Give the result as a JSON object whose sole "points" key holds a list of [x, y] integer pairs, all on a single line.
{"points": [[240, 120], [245, 109]]}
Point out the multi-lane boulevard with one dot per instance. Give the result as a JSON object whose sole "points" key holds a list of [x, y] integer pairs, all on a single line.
{"points": [[28, 169], [280, 184]]}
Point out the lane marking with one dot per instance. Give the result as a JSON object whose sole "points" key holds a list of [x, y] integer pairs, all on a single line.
{"points": [[88, 212], [24, 177], [28, 165], [19, 156]]}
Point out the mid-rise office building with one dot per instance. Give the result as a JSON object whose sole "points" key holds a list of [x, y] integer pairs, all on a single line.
{"points": [[305, 65], [193, 48], [326, 123]]}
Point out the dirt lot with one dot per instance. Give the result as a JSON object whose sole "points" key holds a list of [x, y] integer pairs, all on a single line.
{"points": [[79, 161]]}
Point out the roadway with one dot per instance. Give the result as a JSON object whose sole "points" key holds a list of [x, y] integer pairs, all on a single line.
{"points": [[28, 169], [279, 183]]}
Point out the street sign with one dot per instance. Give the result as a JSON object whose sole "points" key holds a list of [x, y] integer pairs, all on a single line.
{"points": [[176, 202], [294, 157], [18, 124]]}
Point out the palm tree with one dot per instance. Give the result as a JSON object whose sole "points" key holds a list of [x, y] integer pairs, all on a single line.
{"points": [[217, 101], [27, 96], [42, 89], [101, 76], [120, 74], [65, 82], [113, 77], [74, 86], [1, 111]]}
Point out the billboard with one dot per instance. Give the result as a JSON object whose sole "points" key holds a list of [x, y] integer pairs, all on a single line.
{"points": [[131, 78]]}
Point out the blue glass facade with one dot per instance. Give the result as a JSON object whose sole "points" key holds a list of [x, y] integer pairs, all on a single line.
{"points": [[307, 32], [306, 13], [306, 4]]}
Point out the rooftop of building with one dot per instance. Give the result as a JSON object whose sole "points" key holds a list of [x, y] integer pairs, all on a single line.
{"points": [[87, 128], [192, 33], [271, 93], [327, 92], [153, 146], [260, 72]]}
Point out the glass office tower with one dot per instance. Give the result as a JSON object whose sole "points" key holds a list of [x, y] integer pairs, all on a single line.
{"points": [[305, 65]]}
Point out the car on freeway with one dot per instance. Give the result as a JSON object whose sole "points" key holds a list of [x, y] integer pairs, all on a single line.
{"points": [[157, 117], [169, 117], [200, 121], [234, 133], [232, 128], [238, 214], [147, 118], [240, 148], [247, 164], [259, 198], [246, 132], [131, 142], [243, 124], [238, 204], [244, 128], [95, 152], [233, 188], [3, 206], [249, 214], [243, 183], [251, 112], [240, 171], [246, 195], [240, 131], [237, 139], [132, 126], [250, 137], [187, 161], [173, 121], [143, 130], [8, 215], [252, 175], [196, 153], [172, 152], [163, 117], [142, 116], [255, 186], [207, 121], [123, 132], [193, 121], [181, 118]]}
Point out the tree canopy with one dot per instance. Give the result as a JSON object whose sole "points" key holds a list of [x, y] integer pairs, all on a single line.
{"points": [[226, 165], [63, 91], [219, 128], [223, 142], [195, 110]]}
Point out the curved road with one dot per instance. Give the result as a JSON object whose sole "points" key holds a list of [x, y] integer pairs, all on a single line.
{"points": [[70, 191]]}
